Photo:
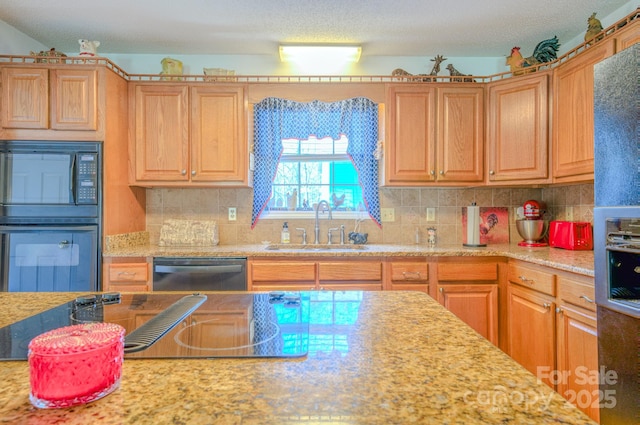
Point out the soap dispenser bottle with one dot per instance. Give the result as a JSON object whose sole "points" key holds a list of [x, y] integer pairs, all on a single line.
{"points": [[285, 236]]}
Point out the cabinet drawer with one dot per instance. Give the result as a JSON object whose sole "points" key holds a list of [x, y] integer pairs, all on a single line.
{"points": [[409, 272], [283, 271], [350, 270], [467, 272], [129, 272], [537, 280], [577, 292]]}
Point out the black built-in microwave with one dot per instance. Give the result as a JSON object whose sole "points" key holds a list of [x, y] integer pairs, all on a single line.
{"points": [[47, 181]]}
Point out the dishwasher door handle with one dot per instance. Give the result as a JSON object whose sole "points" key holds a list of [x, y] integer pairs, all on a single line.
{"points": [[198, 269]]}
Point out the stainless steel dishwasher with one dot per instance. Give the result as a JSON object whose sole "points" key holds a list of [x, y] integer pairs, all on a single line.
{"points": [[199, 274]]}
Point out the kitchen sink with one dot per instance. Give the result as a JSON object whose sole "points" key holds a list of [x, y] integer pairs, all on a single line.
{"points": [[313, 247]]}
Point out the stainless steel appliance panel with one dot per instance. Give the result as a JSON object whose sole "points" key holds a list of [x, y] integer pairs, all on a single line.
{"points": [[199, 274], [617, 200], [617, 129]]}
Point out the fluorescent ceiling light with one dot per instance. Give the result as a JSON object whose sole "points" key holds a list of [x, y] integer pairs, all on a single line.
{"points": [[336, 54]]}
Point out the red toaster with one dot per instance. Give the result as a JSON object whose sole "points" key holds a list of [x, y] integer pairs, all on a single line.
{"points": [[574, 235]]}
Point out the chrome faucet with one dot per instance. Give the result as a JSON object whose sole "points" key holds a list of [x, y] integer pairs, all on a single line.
{"points": [[317, 227]]}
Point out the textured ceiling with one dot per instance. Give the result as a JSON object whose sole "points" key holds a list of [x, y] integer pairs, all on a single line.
{"points": [[256, 27]]}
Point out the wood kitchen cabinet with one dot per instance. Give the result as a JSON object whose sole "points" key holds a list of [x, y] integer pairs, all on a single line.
{"points": [[407, 275], [188, 135], [577, 343], [267, 274], [573, 132], [54, 102], [469, 289], [531, 330], [126, 275], [435, 134], [518, 130]]}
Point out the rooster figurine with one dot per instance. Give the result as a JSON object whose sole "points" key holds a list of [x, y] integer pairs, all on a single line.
{"points": [[545, 51], [337, 200]]}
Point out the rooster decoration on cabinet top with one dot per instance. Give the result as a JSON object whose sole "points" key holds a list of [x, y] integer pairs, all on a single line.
{"points": [[545, 51]]}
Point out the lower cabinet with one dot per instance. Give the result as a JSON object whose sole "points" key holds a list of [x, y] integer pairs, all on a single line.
{"points": [[470, 291], [267, 274], [126, 275], [531, 331], [552, 331], [407, 275], [577, 340]]}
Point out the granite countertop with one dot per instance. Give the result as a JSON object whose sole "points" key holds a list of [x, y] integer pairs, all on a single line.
{"points": [[405, 359], [573, 261]]}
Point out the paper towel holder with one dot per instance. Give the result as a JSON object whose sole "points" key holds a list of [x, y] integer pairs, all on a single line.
{"points": [[473, 227]]}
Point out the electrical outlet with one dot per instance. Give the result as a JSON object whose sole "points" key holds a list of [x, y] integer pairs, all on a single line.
{"points": [[431, 214], [387, 214], [569, 213], [232, 214]]}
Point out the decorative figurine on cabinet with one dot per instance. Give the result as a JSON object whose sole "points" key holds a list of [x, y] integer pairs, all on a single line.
{"points": [[594, 27], [544, 52], [88, 48]]}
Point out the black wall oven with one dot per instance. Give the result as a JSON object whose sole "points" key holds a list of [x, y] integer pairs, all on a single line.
{"points": [[50, 215]]}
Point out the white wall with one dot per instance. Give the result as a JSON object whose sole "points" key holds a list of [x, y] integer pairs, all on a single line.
{"points": [[14, 42]]}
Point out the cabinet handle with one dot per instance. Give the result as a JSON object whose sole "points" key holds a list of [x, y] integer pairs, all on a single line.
{"points": [[432, 172], [441, 289], [441, 173], [491, 172], [193, 173], [183, 172], [587, 299], [411, 275], [559, 310], [546, 305], [127, 273], [524, 279]]}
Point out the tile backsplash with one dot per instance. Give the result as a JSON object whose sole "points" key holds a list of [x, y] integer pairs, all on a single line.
{"points": [[573, 202]]}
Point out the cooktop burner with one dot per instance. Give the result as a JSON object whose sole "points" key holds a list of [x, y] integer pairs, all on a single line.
{"points": [[179, 325]]}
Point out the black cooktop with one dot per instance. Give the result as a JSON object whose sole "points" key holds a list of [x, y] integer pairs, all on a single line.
{"points": [[176, 325]]}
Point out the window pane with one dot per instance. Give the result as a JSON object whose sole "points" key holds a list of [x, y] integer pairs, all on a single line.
{"points": [[331, 177]]}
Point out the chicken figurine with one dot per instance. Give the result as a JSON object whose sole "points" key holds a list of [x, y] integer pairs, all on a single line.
{"points": [[545, 51], [337, 200]]}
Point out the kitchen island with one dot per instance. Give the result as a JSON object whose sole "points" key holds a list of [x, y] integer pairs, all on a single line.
{"points": [[402, 358]]}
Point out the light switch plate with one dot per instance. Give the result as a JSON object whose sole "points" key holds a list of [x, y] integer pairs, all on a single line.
{"points": [[569, 213], [387, 214], [431, 214], [232, 214]]}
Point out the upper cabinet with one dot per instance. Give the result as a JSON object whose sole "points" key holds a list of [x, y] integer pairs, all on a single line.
{"points": [[518, 130], [190, 135], [56, 103], [434, 134], [573, 114]]}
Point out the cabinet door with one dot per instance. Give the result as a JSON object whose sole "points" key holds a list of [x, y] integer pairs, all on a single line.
{"points": [[218, 141], [224, 330], [517, 129], [476, 305], [74, 99], [161, 133], [350, 275], [460, 134], [573, 115], [25, 98], [531, 331], [409, 152], [578, 359]]}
